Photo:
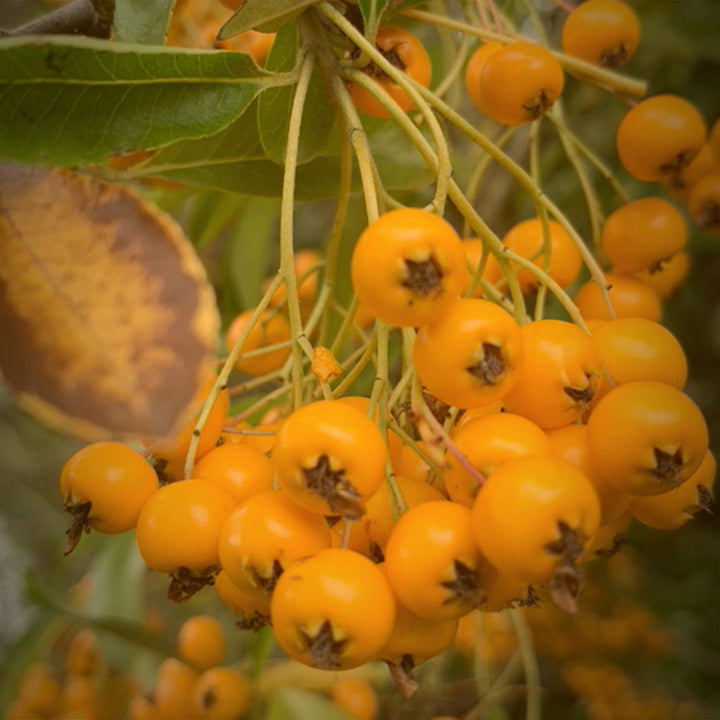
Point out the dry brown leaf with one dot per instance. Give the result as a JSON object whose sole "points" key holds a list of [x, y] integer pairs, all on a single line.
{"points": [[108, 325]]}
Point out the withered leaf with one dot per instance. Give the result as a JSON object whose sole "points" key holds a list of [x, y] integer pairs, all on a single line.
{"points": [[108, 323]]}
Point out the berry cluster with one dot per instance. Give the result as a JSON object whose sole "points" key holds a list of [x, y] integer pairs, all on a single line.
{"points": [[361, 477]]}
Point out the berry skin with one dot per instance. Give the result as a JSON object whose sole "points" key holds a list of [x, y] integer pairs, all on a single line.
{"points": [[667, 276], [704, 203], [432, 561], [629, 296], [221, 693], [470, 355], [533, 520], [660, 136], [643, 233], [673, 509], [333, 610], [559, 376], [271, 328], [239, 467], [201, 642], [405, 52], [520, 82], [330, 458], [646, 437], [356, 697], [602, 32], [474, 70], [408, 266], [526, 239], [264, 534], [487, 442], [177, 532], [104, 487]]}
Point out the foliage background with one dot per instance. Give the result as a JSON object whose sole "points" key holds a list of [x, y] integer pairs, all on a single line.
{"points": [[680, 54]]}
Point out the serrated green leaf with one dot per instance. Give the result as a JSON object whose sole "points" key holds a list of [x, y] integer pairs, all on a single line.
{"points": [[71, 101], [263, 15], [274, 106], [293, 704], [142, 21]]}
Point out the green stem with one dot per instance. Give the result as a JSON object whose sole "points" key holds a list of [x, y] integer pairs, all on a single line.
{"points": [[287, 204], [444, 169], [221, 380], [533, 710]]}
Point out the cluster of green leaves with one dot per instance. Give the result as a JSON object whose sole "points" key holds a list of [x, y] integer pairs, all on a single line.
{"points": [[216, 119]]}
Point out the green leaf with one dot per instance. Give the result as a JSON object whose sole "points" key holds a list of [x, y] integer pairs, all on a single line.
{"points": [[142, 21], [371, 11], [238, 141], [292, 704], [263, 15], [248, 250], [274, 106], [253, 174], [70, 101]]}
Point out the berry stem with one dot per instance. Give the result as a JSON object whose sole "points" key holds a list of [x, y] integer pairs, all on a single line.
{"points": [[533, 708]]}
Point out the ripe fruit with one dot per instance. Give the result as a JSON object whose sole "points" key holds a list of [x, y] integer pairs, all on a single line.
{"points": [[667, 276], [432, 561], [330, 458], [704, 203], [201, 642], [221, 693], [639, 349], [643, 233], [487, 442], [356, 697], [520, 82], [629, 296], [104, 486], [659, 136], [270, 329], [673, 509], [238, 467], [526, 239], [559, 376], [333, 610], [533, 520], [172, 696], [177, 533], [406, 53], [264, 534], [474, 70], [408, 266], [646, 437], [603, 32], [251, 605], [305, 267], [470, 355]]}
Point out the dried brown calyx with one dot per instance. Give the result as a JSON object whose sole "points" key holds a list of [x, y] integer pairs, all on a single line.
{"points": [[253, 621], [267, 582], [402, 677], [465, 588], [704, 499], [78, 524], [673, 167], [334, 488], [566, 581], [184, 583], [614, 56], [539, 105], [491, 367], [668, 466], [324, 651], [583, 396], [423, 277], [708, 215]]}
